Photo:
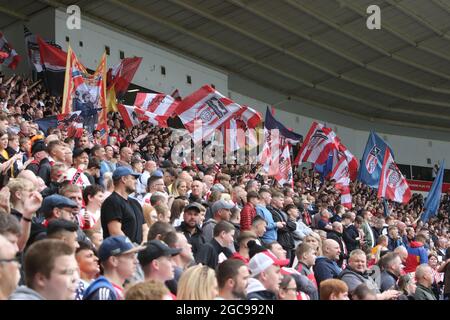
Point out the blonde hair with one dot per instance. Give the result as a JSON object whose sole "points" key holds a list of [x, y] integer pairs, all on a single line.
{"points": [[19, 184], [315, 236], [148, 290], [197, 283]]}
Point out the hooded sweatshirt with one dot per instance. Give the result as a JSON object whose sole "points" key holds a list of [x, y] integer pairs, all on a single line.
{"points": [[417, 255], [25, 293]]}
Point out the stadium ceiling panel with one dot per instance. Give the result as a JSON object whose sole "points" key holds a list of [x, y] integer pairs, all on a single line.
{"points": [[318, 51]]}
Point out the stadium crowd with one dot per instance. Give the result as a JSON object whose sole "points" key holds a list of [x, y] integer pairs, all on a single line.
{"points": [[83, 221]]}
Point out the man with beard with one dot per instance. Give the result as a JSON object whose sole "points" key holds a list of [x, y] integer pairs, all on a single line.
{"points": [[190, 227], [121, 215], [232, 278]]}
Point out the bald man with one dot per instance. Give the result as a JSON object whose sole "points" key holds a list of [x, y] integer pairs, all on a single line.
{"points": [[326, 267], [424, 279]]}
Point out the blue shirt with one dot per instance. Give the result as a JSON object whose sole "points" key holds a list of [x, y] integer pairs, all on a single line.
{"points": [[271, 228]]}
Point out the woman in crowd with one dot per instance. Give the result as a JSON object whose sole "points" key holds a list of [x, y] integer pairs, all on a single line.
{"points": [[198, 283]]}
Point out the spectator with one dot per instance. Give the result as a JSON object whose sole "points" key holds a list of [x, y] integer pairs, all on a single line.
{"points": [[196, 192], [437, 276], [259, 227], [417, 254], [64, 230], [191, 229], [148, 290], [88, 265], [336, 235], [243, 254], [306, 260], [394, 238], [125, 155], [107, 164], [51, 272], [261, 210], [392, 269], [326, 266], [284, 234], [9, 268], [93, 197], [216, 251], [333, 289], [121, 215], [407, 285], [424, 279], [351, 234], [221, 211], [248, 212], [198, 283], [288, 288], [315, 242], [362, 292], [117, 256], [264, 283], [176, 209], [369, 237], [232, 279]]}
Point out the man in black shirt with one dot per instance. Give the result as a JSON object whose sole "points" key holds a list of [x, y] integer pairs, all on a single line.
{"points": [[190, 227], [121, 215]]}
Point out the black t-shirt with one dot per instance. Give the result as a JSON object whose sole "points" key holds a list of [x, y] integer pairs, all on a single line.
{"points": [[127, 212]]}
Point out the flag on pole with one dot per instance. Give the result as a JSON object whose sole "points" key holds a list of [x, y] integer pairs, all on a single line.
{"points": [[318, 144], [250, 117], [132, 116], [176, 95], [9, 56], [157, 103], [204, 111], [271, 123], [53, 63], [372, 161], [285, 174], [393, 185], [433, 201]]}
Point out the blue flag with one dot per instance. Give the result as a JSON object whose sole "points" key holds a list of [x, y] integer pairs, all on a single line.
{"points": [[372, 161], [434, 196], [270, 123]]}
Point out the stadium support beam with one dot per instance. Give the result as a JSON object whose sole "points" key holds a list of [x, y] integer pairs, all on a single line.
{"points": [[390, 28], [14, 14], [321, 87], [308, 10], [256, 10], [343, 77]]}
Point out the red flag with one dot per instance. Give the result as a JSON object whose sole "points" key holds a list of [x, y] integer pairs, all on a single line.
{"points": [[284, 174], [249, 116], [204, 111], [54, 62], [319, 142], [393, 185], [123, 73], [132, 116], [157, 103], [9, 56]]}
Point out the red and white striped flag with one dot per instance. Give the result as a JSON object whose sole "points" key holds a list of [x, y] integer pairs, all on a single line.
{"points": [[8, 56], [340, 173], [319, 142], [285, 174], [393, 185], [250, 117], [157, 103], [204, 111], [132, 116]]}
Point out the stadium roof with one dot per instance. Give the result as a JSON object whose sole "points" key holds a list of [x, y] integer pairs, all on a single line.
{"points": [[317, 51]]}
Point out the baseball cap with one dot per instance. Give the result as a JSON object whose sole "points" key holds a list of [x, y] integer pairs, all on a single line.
{"points": [[193, 205], [155, 249], [38, 146], [263, 260], [116, 245], [157, 173], [79, 151], [56, 201], [124, 171], [221, 204]]}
